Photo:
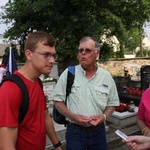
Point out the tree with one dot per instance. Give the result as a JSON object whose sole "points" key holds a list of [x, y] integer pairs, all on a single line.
{"points": [[70, 20], [134, 14]]}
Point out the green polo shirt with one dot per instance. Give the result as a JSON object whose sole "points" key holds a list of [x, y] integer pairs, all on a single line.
{"points": [[88, 96]]}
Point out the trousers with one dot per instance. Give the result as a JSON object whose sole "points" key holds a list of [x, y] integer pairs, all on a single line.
{"points": [[79, 138]]}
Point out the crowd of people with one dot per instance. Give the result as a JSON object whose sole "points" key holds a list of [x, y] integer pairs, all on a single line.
{"points": [[92, 99], [3, 65], [2, 72]]}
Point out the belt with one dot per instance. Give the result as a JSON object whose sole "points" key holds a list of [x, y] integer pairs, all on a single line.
{"points": [[90, 128]]}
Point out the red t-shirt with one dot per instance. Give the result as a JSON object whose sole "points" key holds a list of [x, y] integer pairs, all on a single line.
{"points": [[31, 132]]}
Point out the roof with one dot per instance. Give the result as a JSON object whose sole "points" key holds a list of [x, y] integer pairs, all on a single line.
{"points": [[146, 42]]}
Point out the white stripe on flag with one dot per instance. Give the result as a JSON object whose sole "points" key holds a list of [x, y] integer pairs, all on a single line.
{"points": [[10, 60]]}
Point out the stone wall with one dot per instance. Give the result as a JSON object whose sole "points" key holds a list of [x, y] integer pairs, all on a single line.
{"points": [[53, 74], [118, 66], [114, 66]]}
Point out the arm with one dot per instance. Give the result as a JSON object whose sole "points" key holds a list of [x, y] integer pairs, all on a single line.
{"points": [[61, 107], [143, 127], [50, 130], [8, 138], [102, 117], [78, 118], [113, 100], [109, 110]]}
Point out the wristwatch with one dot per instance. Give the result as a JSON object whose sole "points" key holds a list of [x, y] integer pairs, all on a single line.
{"points": [[57, 145]]}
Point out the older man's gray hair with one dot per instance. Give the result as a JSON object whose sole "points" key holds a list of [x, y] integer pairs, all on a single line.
{"points": [[86, 38]]}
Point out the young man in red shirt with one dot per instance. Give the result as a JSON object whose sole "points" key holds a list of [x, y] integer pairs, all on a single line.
{"points": [[31, 133]]}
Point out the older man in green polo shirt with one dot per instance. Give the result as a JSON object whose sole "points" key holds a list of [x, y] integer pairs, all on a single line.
{"points": [[93, 97]]}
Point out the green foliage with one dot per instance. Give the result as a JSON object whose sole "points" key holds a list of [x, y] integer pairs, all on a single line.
{"points": [[16, 53], [106, 51], [70, 20], [146, 53], [132, 42], [13, 46]]}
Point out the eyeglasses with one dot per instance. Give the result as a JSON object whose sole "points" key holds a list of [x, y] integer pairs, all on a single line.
{"points": [[47, 55], [86, 50]]}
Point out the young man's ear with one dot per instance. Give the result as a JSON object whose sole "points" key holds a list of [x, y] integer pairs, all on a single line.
{"points": [[28, 54]]}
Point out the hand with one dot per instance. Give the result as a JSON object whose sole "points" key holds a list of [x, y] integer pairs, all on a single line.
{"points": [[95, 120], [147, 133], [82, 120], [58, 148], [138, 142]]}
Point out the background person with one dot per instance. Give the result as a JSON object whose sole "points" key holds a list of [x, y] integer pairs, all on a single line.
{"points": [[143, 115], [31, 133], [2, 72], [93, 97]]}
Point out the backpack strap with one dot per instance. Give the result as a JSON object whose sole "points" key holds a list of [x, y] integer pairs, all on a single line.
{"points": [[25, 97], [70, 80], [57, 116]]}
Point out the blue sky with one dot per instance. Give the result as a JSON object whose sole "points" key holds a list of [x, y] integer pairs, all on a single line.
{"points": [[147, 30]]}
